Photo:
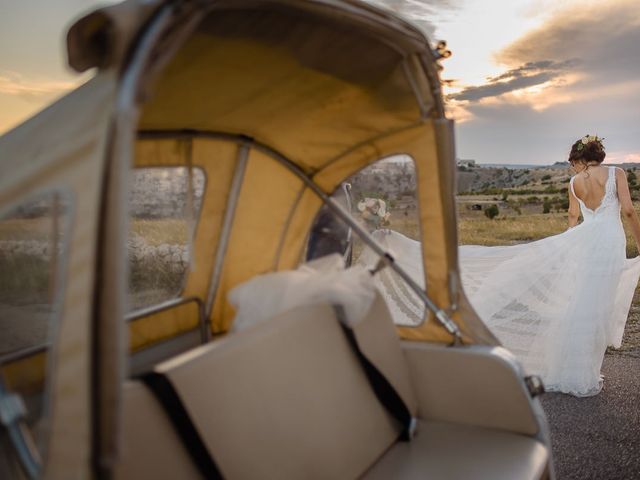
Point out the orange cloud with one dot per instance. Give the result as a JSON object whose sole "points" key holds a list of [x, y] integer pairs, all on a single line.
{"points": [[622, 157], [590, 30], [15, 84], [576, 55]]}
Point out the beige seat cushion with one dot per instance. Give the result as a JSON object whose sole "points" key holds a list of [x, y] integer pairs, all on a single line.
{"points": [[473, 385], [449, 451], [286, 398]]}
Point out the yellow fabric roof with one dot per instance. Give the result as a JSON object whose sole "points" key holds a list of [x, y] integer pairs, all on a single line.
{"points": [[331, 85]]}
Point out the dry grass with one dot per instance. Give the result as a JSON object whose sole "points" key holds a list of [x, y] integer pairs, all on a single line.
{"points": [[157, 232], [479, 230], [152, 280], [25, 229], [406, 224], [474, 228], [24, 279]]}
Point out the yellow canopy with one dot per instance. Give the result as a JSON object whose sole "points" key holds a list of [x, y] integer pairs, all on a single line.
{"points": [[330, 90], [266, 96]]}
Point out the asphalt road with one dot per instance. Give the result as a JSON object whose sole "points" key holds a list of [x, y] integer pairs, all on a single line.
{"points": [[599, 437]]}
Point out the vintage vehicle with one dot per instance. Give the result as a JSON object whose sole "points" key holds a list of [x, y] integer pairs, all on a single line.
{"points": [[258, 110]]}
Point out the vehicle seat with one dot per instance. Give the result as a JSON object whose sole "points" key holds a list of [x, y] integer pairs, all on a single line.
{"points": [[288, 398]]}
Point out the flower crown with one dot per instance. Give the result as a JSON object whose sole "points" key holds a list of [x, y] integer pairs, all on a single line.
{"points": [[584, 141]]}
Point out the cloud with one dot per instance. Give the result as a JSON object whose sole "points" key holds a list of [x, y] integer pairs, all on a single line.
{"points": [[623, 157], [578, 72], [534, 67], [503, 131], [601, 34], [604, 36], [419, 12], [523, 76], [582, 50], [14, 84]]}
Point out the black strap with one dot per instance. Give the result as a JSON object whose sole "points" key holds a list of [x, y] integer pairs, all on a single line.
{"points": [[166, 394], [387, 395]]}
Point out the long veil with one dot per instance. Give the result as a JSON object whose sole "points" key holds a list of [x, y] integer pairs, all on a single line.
{"points": [[538, 298], [405, 306]]}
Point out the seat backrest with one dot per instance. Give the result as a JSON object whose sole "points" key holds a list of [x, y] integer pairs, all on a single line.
{"points": [[283, 399]]}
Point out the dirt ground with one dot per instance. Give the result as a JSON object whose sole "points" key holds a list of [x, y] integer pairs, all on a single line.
{"points": [[599, 437]]}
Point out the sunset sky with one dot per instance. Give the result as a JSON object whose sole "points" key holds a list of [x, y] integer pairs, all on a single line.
{"points": [[527, 77]]}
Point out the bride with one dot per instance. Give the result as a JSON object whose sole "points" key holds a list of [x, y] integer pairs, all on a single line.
{"points": [[558, 302]]}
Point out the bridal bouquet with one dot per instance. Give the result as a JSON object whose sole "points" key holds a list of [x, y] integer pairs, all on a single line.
{"points": [[374, 212]]}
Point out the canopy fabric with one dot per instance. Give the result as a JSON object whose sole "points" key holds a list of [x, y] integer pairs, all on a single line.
{"points": [[63, 149], [331, 99], [331, 86], [287, 97], [320, 88]]}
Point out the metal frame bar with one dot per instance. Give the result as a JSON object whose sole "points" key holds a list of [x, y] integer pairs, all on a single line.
{"points": [[107, 363], [386, 257], [424, 112], [346, 188], [434, 83], [169, 304], [23, 353], [227, 224], [278, 256], [12, 417], [18, 355]]}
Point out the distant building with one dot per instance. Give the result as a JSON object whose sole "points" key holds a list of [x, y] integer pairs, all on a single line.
{"points": [[466, 163]]}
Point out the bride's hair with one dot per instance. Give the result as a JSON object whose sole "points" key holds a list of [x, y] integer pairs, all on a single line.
{"points": [[592, 151]]}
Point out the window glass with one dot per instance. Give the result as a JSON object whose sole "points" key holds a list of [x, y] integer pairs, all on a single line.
{"points": [[165, 204], [382, 198], [32, 239], [33, 242]]}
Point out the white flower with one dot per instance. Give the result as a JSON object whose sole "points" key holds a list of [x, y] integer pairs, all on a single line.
{"points": [[585, 139], [593, 138], [373, 207]]}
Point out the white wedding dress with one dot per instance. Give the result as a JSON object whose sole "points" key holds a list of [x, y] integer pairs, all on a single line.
{"points": [[556, 303]]}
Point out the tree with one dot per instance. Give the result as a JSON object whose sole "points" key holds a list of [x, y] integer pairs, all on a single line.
{"points": [[546, 206], [631, 177], [491, 211]]}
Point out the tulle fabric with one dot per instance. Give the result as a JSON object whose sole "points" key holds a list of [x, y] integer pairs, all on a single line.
{"points": [[556, 303], [405, 306]]}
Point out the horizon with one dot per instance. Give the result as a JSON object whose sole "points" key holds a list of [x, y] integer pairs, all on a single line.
{"points": [[542, 165], [530, 78]]}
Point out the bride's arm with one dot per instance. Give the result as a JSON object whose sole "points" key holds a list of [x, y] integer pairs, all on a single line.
{"points": [[627, 206], [574, 209]]}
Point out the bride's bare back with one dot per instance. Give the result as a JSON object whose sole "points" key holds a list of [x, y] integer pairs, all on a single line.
{"points": [[590, 185]]}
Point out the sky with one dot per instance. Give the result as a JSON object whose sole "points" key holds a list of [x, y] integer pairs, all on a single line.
{"points": [[526, 78]]}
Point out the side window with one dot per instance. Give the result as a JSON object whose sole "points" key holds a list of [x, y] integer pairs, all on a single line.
{"points": [[33, 244], [165, 204], [382, 198]]}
